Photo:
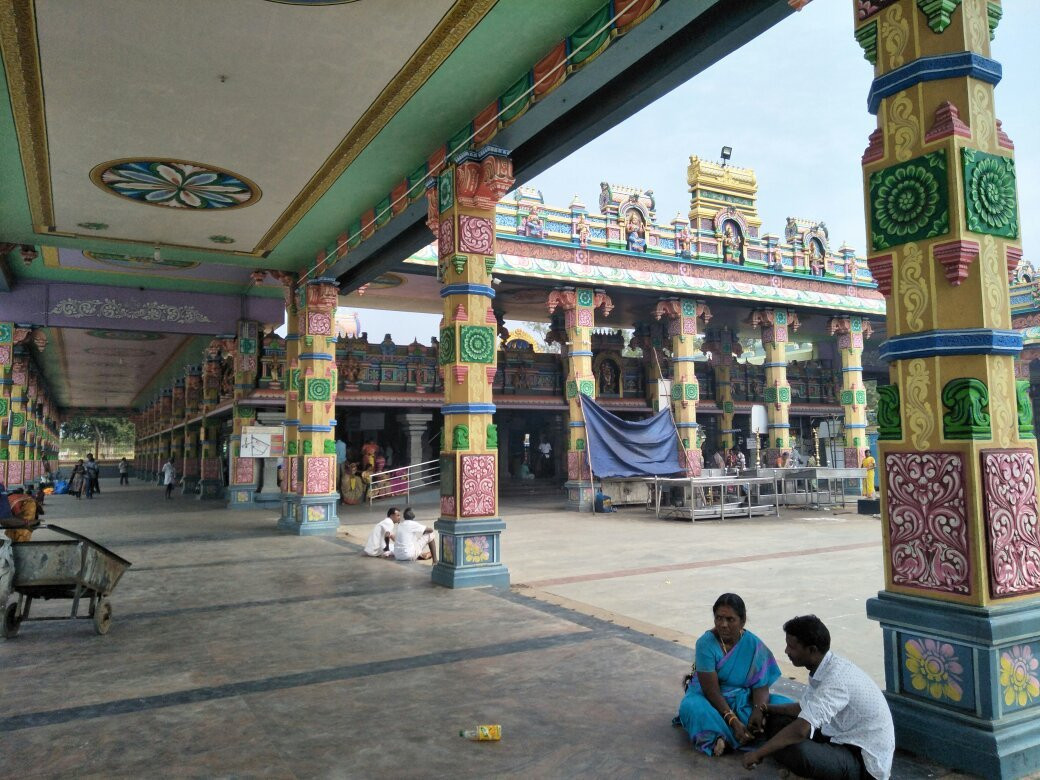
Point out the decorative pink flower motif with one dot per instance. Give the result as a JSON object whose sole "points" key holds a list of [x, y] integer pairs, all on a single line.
{"points": [[934, 667]]}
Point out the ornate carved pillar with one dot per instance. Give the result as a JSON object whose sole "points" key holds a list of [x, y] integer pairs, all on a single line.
{"points": [[682, 314], [960, 610], [192, 408], [851, 333], [291, 383], [244, 475], [6, 386], [313, 508], [19, 398], [724, 348], [176, 423], [462, 203], [211, 482], [578, 305], [414, 426], [774, 324]]}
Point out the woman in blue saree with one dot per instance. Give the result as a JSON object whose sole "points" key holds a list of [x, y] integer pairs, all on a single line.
{"points": [[728, 692]]}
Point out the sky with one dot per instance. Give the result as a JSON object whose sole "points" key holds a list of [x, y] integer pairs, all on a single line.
{"points": [[793, 105]]}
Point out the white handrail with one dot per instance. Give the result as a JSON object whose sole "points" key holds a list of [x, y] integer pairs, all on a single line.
{"points": [[385, 484]]}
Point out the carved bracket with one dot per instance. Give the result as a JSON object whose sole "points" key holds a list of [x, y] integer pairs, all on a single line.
{"points": [[956, 258]]}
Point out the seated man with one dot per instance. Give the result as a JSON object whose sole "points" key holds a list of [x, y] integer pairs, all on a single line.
{"points": [[841, 728], [381, 538], [412, 540], [24, 515]]}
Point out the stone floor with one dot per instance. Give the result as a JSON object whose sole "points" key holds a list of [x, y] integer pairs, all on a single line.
{"points": [[236, 651]]}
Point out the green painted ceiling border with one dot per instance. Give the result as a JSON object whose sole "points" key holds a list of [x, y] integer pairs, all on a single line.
{"points": [[469, 80]]}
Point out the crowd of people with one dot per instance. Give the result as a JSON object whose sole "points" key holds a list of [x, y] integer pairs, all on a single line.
{"points": [[840, 727]]}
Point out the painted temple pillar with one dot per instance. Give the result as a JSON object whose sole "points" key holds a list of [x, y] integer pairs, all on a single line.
{"points": [[192, 406], [960, 611], [32, 394], [681, 315], [290, 426], [244, 476], [313, 509], [579, 305], [462, 200], [19, 398], [177, 428], [165, 421], [211, 478], [775, 324], [6, 386], [851, 333], [724, 348]]}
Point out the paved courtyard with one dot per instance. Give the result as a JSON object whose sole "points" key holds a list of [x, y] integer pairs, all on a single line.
{"points": [[238, 651]]}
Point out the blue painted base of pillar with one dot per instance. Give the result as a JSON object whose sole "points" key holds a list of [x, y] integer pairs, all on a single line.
{"points": [[974, 711], [309, 515], [470, 554], [190, 486], [241, 496], [579, 495], [211, 490]]}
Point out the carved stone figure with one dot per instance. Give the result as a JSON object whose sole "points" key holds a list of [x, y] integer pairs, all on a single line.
{"points": [[733, 246]]}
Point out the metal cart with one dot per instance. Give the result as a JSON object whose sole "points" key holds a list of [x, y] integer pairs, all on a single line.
{"points": [[74, 568]]}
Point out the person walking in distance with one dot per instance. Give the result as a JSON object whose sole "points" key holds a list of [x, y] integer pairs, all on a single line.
{"points": [[91, 468], [124, 472], [169, 473]]}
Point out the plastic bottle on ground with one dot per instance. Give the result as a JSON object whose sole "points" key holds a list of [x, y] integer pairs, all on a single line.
{"points": [[489, 733]]}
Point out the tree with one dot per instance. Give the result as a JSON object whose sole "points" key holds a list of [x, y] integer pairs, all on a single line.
{"points": [[110, 431]]}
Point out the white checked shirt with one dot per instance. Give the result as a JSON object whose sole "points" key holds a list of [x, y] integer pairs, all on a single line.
{"points": [[847, 706]]}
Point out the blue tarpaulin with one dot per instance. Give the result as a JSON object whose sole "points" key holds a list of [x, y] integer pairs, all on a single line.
{"points": [[619, 448]]}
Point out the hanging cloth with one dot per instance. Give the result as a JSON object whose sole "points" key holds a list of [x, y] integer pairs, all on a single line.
{"points": [[619, 448]]}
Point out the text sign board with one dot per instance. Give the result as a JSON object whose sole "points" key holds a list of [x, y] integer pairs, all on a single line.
{"points": [[261, 441]]}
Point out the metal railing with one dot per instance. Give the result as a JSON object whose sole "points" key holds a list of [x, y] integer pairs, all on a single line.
{"points": [[404, 480]]}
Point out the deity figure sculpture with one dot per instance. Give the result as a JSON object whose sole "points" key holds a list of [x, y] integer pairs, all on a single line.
{"points": [[816, 264], [635, 233], [582, 231], [608, 378], [683, 244], [776, 259], [533, 224], [733, 246]]}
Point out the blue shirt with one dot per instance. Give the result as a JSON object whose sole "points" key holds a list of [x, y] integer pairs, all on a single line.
{"points": [[341, 451]]}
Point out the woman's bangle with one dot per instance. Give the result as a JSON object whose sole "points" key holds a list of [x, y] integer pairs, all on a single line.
{"points": [[763, 707], [729, 717]]}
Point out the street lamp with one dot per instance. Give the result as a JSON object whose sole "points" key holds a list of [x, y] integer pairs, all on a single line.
{"points": [[727, 152]]}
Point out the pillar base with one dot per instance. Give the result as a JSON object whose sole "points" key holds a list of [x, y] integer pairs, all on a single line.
{"points": [[210, 489], [309, 515], [190, 486], [267, 500], [580, 497], [983, 719], [470, 554], [241, 496]]}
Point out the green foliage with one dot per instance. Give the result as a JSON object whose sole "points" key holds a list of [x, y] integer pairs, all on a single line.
{"points": [[98, 434]]}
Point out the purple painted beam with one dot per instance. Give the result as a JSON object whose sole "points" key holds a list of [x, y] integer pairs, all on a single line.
{"points": [[63, 305]]}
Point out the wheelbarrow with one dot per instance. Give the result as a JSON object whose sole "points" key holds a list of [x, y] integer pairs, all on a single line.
{"points": [[74, 568]]}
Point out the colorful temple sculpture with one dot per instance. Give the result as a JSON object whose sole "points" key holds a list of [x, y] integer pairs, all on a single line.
{"points": [[960, 610]]}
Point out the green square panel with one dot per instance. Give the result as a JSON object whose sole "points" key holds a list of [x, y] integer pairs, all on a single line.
{"points": [[784, 395], [769, 395], [247, 346], [294, 379], [846, 397], [689, 308], [861, 397], [585, 297], [727, 407], [990, 199], [691, 391], [477, 344], [3, 406], [5, 333], [446, 190], [572, 389], [446, 353], [319, 389], [587, 388], [17, 419], [676, 393], [909, 201]]}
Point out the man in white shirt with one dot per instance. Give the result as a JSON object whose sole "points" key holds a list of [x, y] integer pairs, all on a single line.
{"points": [[841, 728], [169, 475], [381, 538], [412, 540]]}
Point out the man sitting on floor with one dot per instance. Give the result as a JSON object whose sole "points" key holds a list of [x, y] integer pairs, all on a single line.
{"points": [[412, 540], [381, 539], [841, 728]]}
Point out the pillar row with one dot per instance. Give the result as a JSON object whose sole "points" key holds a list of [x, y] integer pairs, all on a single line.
{"points": [[243, 474]]}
